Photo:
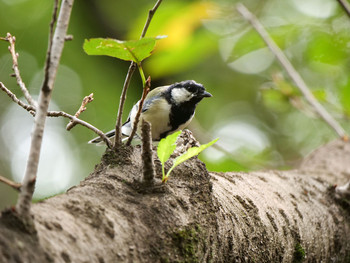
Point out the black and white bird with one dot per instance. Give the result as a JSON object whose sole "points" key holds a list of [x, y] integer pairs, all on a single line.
{"points": [[167, 109]]}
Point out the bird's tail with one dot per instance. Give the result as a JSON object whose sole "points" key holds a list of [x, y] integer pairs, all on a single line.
{"points": [[98, 140]]}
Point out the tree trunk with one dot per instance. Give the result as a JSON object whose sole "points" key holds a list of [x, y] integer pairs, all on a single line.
{"points": [[197, 216]]}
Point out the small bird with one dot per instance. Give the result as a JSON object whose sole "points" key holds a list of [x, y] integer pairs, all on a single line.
{"points": [[167, 108]]}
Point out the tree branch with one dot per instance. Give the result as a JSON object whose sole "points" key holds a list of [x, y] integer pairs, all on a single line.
{"points": [[74, 119], [147, 153], [118, 126], [151, 13], [294, 75], [15, 99], [138, 114], [345, 5], [14, 185], [83, 123], [86, 100], [54, 53], [11, 39]]}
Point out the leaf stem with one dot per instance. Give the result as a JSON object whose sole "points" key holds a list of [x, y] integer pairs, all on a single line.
{"points": [[142, 74]]}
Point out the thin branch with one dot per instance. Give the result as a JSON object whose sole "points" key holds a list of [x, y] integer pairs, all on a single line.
{"points": [[151, 13], [345, 5], [51, 70], [83, 123], [294, 75], [86, 100], [74, 118], [14, 185], [12, 40], [118, 125], [147, 153], [15, 99], [54, 53], [146, 89]]}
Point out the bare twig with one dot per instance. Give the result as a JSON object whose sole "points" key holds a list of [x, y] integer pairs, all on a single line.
{"points": [[151, 13], [118, 125], [147, 153], [345, 5], [12, 40], [139, 110], [83, 123], [15, 99], [86, 100], [294, 75], [74, 118], [52, 61], [14, 185]]}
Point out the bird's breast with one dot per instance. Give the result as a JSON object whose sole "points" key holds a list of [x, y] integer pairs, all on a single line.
{"points": [[158, 115]]}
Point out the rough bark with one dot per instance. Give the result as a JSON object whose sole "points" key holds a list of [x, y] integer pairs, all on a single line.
{"points": [[197, 216]]}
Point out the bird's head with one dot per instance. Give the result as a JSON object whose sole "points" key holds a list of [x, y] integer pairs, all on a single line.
{"points": [[188, 91]]}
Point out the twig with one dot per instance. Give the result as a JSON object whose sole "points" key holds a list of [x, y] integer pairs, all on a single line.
{"points": [[86, 100], [294, 75], [83, 123], [345, 5], [14, 185], [54, 53], [151, 13], [75, 119], [118, 125], [15, 99], [11, 39], [139, 110], [147, 153]]}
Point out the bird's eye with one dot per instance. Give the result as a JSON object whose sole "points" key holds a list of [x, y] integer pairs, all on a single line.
{"points": [[191, 89]]}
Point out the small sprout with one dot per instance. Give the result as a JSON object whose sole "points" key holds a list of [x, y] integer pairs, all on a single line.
{"points": [[167, 146]]}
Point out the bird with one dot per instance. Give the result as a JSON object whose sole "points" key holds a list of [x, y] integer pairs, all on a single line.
{"points": [[167, 108]]}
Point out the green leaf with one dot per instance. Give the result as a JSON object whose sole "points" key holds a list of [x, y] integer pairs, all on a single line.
{"points": [[193, 152], [187, 155], [132, 50], [167, 146]]}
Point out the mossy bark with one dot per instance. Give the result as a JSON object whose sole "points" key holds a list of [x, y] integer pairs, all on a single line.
{"points": [[197, 216]]}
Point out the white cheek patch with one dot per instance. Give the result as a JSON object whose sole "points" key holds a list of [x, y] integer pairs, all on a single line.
{"points": [[181, 95]]}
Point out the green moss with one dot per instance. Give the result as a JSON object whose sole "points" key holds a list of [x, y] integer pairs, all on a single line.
{"points": [[186, 241], [299, 253]]}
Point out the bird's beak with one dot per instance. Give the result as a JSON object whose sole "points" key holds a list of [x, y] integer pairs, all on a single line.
{"points": [[206, 94]]}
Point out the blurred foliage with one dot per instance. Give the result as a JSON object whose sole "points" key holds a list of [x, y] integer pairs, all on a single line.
{"points": [[258, 113]]}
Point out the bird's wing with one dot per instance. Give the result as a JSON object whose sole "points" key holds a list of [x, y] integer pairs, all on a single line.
{"points": [[152, 96], [109, 134], [126, 127]]}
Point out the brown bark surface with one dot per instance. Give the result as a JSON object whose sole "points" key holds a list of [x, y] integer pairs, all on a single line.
{"points": [[197, 216]]}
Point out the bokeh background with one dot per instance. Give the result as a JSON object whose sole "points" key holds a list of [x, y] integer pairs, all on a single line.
{"points": [[262, 120]]}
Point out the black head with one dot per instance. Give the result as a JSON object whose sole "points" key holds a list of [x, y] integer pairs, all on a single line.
{"points": [[188, 91]]}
